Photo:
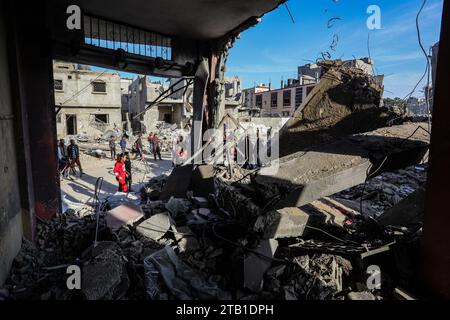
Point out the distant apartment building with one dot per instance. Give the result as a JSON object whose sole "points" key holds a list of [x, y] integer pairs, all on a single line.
{"points": [[88, 102], [175, 109], [314, 71], [248, 100], [284, 101]]}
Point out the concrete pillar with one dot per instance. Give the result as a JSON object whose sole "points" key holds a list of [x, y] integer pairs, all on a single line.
{"points": [[32, 84], [199, 102], [435, 265], [10, 206]]}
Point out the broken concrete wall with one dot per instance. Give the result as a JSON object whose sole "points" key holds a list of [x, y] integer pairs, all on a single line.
{"points": [[10, 209], [86, 123]]}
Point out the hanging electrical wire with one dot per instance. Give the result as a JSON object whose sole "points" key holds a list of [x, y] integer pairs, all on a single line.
{"points": [[166, 93], [289, 12], [84, 88]]}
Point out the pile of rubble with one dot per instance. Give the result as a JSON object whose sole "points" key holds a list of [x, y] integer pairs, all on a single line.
{"points": [[216, 243], [345, 101], [384, 191]]}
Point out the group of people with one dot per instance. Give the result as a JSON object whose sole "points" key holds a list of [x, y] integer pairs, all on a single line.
{"points": [[122, 167], [112, 146], [69, 156]]}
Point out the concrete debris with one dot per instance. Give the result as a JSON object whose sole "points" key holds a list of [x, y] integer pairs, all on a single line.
{"points": [[385, 191], [256, 264], [104, 276], [178, 207], [123, 215], [184, 282], [228, 238], [178, 183], [203, 180], [345, 101], [364, 295], [282, 223], [97, 153], [120, 198], [155, 227]]}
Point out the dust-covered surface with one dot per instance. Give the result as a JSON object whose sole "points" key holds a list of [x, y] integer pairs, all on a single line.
{"points": [[345, 101]]}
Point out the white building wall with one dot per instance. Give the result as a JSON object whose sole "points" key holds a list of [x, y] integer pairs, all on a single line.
{"points": [[78, 98]]}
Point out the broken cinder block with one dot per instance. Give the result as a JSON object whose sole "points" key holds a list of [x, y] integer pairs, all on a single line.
{"points": [[282, 223]]}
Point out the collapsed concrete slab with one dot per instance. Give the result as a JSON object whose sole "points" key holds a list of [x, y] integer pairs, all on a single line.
{"points": [[323, 170], [155, 227]]}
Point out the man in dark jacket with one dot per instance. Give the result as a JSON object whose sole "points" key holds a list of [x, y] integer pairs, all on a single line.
{"points": [[128, 170], [73, 152]]}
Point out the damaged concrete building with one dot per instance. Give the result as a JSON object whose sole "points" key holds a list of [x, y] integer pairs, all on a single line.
{"points": [[174, 109], [91, 111], [217, 231]]}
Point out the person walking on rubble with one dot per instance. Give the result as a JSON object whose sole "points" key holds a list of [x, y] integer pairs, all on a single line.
{"points": [[156, 147], [112, 147], [128, 170], [150, 142], [73, 152], [138, 147], [62, 151], [121, 173], [123, 144]]}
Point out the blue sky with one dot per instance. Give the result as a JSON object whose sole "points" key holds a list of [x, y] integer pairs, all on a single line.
{"points": [[275, 47]]}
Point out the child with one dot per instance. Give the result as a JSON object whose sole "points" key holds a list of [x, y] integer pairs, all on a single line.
{"points": [[121, 173]]}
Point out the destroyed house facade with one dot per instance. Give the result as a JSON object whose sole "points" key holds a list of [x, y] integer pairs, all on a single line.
{"points": [[89, 102], [144, 115]]}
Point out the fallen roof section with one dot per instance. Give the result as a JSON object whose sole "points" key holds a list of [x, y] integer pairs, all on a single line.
{"points": [[327, 169]]}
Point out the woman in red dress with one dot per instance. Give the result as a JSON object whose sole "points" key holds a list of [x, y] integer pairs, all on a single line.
{"points": [[121, 173]]}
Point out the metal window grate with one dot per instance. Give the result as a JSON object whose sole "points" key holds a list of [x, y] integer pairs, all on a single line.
{"points": [[111, 35]]}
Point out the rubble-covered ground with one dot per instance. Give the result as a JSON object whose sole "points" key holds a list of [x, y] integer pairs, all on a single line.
{"points": [[384, 191], [201, 248], [207, 233]]}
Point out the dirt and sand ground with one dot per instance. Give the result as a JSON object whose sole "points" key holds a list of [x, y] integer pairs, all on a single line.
{"points": [[81, 189]]}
